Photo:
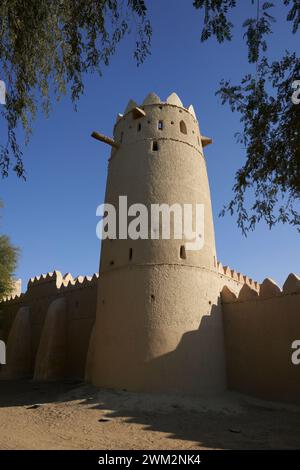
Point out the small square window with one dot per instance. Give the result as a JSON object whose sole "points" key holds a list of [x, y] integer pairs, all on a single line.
{"points": [[160, 125], [155, 146], [182, 253]]}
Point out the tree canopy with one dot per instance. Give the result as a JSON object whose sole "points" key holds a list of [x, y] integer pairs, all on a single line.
{"points": [[8, 263], [267, 187], [50, 45]]}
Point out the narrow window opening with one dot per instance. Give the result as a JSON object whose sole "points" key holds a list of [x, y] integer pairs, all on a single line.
{"points": [[182, 252], [155, 146], [139, 127], [160, 125], [183, 128], [112, 263], [130, 254], [121, 137]]}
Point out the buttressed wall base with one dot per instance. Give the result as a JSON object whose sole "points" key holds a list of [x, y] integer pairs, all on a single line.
{"points": [[47, 329]]}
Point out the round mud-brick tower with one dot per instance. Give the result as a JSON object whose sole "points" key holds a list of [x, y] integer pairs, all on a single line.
{"points": [[159, 319]]}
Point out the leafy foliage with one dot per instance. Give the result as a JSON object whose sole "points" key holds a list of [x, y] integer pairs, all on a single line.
{"points": [[216, 22], [8, 262], [267, 187], [256, 30], [271, 137], [51, 44]]}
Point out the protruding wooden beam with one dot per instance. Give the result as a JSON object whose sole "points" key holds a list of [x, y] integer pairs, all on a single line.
{"points": [[105, 139], [205, 141], [138, 113]]}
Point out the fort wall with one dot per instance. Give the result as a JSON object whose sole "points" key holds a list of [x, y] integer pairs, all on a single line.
{"points": [[80, 298], [259, 331]]}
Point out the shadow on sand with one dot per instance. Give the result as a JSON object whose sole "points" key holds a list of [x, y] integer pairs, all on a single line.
{"points": [[224, 421]]}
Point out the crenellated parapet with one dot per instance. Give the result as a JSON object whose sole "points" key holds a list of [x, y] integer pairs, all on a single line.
{"points": [[52, 277], [12, 298], [78, 282], [266, 290], [156, 122], [44, 289], [238, 277], [51, 284]]}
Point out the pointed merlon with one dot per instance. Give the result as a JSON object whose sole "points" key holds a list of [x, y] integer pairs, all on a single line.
{"points": [[227, 295], [174, 99], [68, 279], [138, 113], [246, 293], [192, 111], [234, 275], [105, 139], [152, 98], [205, 141], [131, 104], [269, 288], [292, 284], [227, 270], [79, 279]]}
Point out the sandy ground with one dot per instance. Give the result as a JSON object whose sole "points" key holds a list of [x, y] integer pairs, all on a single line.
{"points": [[77, 416]]}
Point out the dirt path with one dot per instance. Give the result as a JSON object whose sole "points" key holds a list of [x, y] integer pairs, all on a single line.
{"points": [[73, 416]]}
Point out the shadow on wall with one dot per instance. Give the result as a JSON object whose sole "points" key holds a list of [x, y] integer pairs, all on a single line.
{"points": [[259, 332], [197, 365]]}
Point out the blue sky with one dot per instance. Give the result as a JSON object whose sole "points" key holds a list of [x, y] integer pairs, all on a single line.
{"points": [[52, 216]]}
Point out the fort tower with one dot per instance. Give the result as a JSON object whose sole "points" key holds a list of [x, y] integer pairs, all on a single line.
{"points": [[158, 321]]}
